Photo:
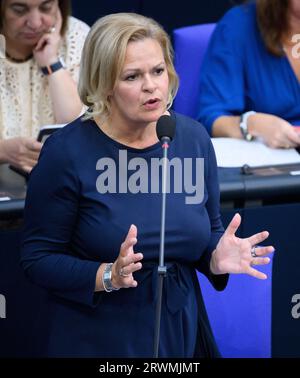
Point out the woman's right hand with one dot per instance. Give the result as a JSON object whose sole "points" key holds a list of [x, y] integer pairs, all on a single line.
{"points": [[21, 152], [125, 265], [127, 262], [275, 131]]}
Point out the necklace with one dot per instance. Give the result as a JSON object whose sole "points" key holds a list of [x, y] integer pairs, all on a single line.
{"points": [[17, 60]]}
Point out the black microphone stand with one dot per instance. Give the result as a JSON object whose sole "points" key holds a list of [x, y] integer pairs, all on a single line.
{"points": [[162, 269]]}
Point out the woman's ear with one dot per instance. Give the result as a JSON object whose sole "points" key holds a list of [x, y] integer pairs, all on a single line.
{"points": [[109, 96]]}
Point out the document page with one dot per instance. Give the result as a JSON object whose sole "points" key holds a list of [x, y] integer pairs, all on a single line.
{"points": [[231, 152]]}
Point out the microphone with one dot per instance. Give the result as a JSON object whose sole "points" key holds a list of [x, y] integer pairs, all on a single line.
{"points": [[165, 130]]}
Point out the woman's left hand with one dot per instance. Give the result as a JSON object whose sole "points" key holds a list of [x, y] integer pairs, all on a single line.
{"points": [[46, 50], [236, 255]]}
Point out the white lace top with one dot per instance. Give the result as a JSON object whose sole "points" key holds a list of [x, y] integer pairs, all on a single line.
{"points": [[25, 103]]}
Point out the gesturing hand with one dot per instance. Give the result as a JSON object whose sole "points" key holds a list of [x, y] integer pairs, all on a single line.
{"points": [[46, 50], [127, 262], [236, 255]]}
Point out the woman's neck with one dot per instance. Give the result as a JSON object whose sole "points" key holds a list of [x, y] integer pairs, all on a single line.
{"points": [[18, 52], [293, 23], [133, 136]]}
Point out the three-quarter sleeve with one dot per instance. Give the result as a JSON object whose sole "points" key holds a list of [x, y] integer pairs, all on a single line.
{"points": [[222, 91], [51, 210], [213, 209]]}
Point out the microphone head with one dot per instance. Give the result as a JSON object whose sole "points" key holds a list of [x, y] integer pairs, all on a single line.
{"points": [[165, 127]]}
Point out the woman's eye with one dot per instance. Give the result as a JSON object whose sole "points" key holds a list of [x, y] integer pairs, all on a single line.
{"points": [[19, 10], [46, 8], [131, 77], [159, 71]]}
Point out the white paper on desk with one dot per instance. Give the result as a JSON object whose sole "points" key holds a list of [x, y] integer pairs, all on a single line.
{"points": [[231, 152], [5, 199]]}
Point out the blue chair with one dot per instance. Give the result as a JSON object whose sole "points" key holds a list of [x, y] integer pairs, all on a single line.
{"points": [[190, 44], [240, 316]]}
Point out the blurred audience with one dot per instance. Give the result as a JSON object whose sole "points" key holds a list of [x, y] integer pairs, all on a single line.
{"points": [[250, 76], [38, 77]]}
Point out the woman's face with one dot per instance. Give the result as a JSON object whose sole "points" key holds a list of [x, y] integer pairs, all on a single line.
{"points": [[294, 8], [141, 92], [25, 21]]}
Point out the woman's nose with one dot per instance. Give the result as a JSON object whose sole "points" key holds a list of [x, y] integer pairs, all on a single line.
{"points": [[149, 83], [34, 20]]}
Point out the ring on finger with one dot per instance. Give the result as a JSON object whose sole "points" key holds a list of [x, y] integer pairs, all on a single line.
{"points": [[122, 273], [253, 253], [52, 30]]}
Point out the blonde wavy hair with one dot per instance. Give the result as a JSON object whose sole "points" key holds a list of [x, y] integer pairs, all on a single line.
{"points": [[103, 57]]}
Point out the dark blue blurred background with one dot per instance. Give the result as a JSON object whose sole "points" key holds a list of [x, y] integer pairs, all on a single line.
{"points": [[170, 14]]}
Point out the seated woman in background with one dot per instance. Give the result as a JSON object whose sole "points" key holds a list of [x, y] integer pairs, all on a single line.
{"points": [[38, 80], [250, 76]]}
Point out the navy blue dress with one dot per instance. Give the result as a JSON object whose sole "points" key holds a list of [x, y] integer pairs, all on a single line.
{"points": [[239, 74], [72, 226]]}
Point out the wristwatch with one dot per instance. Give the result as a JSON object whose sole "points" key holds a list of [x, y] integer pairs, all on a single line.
{"points": [[48, 70], [244, 125], [106, 278]]}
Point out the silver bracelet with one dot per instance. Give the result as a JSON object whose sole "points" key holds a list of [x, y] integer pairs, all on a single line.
{"points": [[244, 125], [106, 278]]}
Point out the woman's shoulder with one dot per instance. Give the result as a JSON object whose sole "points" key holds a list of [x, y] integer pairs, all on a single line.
{"points": [[192, 136], [70, 136], [75, 35], [74, 128], [73, 41], [190, 128], [59, 156], [239, 20], [77, 27], [240, 13]]}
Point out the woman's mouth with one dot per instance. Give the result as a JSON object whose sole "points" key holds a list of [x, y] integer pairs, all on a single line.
{"points": [[32, 35], [152, 103]]}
